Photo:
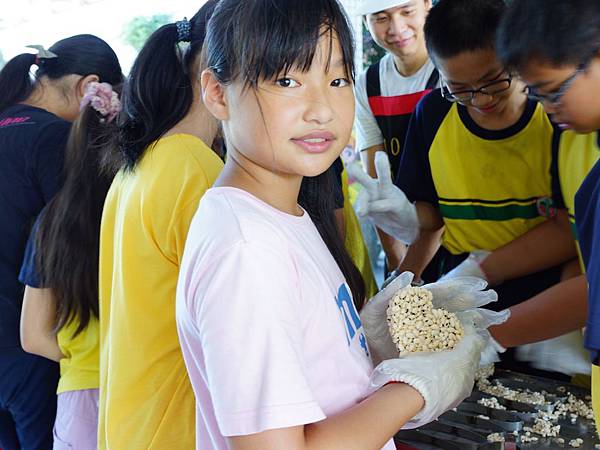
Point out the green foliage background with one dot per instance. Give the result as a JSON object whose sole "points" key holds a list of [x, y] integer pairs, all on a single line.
{"points": [[139, 29]]}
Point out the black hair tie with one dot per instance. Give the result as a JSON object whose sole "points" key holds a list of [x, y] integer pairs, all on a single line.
{"points": [[184, 30]]}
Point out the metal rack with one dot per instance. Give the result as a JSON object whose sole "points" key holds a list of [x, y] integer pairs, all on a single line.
{"points": [[468, 427]]}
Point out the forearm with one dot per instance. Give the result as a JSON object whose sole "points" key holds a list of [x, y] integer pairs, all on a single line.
{"points": [[46, 346], [394, 250], [554, 312], [547, 245], [38, 316], [368, 425], [421, 252], [429, 217]]}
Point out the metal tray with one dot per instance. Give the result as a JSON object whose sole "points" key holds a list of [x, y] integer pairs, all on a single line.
{"points": [[507, 420], [474, 421]]}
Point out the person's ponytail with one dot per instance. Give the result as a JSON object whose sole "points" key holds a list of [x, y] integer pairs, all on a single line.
{"points": [[16, 83], [157, 96], [158, 92]]}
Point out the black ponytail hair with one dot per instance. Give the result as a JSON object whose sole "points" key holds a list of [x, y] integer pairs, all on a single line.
{"points": [[158, 93], [256, 40], [68, 237], [83, 55]]}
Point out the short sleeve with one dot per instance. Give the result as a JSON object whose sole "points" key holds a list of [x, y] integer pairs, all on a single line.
{"points": [[195, 171], [29, 274], [49, 157], [368, 133], [414, 173], [249, 321]]}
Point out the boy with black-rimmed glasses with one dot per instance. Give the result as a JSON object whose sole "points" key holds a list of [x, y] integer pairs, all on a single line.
{"points": [[478, 162]]}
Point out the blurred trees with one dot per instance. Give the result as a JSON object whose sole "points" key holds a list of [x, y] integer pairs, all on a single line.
{"points": [[139, 29]]}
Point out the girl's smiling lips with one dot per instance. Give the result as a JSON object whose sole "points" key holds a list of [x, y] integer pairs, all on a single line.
{"points": [[316, 142]]}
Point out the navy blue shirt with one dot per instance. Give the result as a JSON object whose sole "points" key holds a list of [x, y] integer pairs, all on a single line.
{"points": [[587, 218], [29, 274], [32, 143]]}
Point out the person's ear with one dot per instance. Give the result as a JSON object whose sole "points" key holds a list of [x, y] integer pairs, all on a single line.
{"points": [[213, 95], [428, 5], [82, 84]]}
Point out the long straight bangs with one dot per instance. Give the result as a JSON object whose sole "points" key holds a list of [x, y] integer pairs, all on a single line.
{"points": [[256, 40]]}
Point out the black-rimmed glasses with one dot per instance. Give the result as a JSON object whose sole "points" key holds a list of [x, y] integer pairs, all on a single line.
{"points": [[467, 96], [554, 98]]}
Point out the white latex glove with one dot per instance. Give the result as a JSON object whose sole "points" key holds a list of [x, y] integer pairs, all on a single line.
{"points": [[565, 354], [383, 203], [470, 267], [491, 353], [444, 379], [461, 293], [481, 319], [465, 296], [374, 319]]}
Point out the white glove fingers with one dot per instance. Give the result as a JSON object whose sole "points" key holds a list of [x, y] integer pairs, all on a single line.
{"points": [[384, 206], [463, 282], [375, 308], [356, 172], [470, 300], [362, 203], [480, 318], [489, 317], [472, 342], [488, 356], [382, 168], [400, 282], [455, 300]]}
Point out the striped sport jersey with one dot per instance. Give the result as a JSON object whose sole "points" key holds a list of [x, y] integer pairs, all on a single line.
{"points": [[385, 102], [487, 184], [577, 154]]}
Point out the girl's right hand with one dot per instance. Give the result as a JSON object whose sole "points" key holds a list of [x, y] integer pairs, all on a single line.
{"points": [[444, 379]]}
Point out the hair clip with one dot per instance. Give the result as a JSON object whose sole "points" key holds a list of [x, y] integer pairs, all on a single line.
{"points": [[184, 30], [42, 53]]}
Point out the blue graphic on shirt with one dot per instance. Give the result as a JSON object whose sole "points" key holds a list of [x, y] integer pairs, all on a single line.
{"points": [[351, 318]]}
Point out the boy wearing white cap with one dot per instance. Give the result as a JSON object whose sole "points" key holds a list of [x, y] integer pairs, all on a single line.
{"points": [[388, 91]]}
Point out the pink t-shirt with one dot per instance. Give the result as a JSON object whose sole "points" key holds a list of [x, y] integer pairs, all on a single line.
{"points": [[268, 329]]}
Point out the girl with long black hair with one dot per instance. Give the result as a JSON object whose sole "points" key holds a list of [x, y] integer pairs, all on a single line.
{"points": [[35, 116], [59, 318], [275, 348], [146, 400]]}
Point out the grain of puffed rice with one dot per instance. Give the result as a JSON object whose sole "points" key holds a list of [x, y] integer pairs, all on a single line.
{"points": [[491, 402], [576, 442], [544, 427], [497, 389], [495, 437]]}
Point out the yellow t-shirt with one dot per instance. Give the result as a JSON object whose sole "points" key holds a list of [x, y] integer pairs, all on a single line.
{"points": [[79, 367], [146, 399], [596, 395], [577, 154], [486, 183], [355, 243]]}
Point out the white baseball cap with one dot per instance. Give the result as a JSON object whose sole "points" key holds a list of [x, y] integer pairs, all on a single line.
{"points": [[372, 6]]}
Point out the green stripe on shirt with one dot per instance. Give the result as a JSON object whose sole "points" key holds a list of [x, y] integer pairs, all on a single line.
{"points": [[496, 213]]}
